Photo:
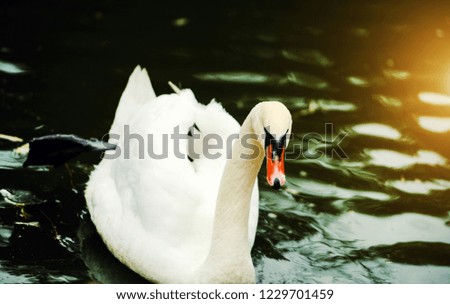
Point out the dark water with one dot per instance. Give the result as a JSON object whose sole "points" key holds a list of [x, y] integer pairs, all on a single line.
{"points": [[377, 70]]}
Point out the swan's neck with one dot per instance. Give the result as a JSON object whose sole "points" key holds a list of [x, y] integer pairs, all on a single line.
{"points": [[229, 258]]}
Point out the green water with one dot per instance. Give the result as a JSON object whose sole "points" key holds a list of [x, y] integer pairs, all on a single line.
{"points": [[378, 71]]}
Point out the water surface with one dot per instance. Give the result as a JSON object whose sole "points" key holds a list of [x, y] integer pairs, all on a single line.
{"points": [[378, 71]]}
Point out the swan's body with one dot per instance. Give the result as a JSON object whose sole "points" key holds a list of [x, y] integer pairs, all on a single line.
{"points": [[164, 218]]}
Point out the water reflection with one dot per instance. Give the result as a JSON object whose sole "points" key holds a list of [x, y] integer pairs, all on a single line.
{"points": [[19, 198], [310, 187], [367, 230], [360, 32], [420, 187], [310, 106], [377, 130], [372, 249], [42, 272], [11, 138], [5, 234], [388, 101], [396, 74], [8, 160], [435, 124], [306, 80], [10, 68], [180, 22], [328, 105], [104, 267], [398, 160], [239, 77], [358, 81], [434, 98], [312, 57]]}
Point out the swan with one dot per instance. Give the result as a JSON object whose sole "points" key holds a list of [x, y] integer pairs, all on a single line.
{"points": [[189, 219]]}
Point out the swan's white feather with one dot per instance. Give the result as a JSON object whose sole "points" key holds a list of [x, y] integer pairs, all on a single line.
{"points": [[156, 215], [138, 91]]}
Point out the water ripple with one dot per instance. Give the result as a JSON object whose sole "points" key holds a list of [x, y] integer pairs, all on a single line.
{"points": [[358, 81], [306, 80], [398, 160], [11, 68], [368, 230], [238, 77], [377, 130], [435, 124], [388, 101], [434, 98], [396, 74], [312, 57], [418, 186], [316, 188]]}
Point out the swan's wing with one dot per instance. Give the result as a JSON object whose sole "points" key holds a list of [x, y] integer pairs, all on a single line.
{"points": [[138, 91], [143, 206]]}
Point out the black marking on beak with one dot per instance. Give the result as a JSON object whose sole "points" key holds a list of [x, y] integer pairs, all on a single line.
{"points": [[277, 145]]}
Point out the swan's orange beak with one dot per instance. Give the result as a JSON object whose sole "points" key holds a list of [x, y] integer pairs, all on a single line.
{"points": [[275, 167]]}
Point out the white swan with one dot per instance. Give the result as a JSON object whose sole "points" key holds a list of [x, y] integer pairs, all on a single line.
{"points": [[174, 220]]}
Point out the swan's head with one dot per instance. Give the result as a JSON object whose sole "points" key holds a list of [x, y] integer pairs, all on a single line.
{"points": [[273, 124]]}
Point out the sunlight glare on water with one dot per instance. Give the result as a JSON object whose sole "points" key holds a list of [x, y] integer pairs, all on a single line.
{"points": [[435, 124]]}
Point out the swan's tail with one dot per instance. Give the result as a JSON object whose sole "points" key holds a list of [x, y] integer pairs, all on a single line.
{"points": [[57, 149], [138, 91]]}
